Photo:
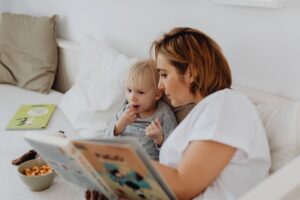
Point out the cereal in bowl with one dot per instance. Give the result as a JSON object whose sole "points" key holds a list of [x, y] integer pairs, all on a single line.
{"points": [[37, 170]]}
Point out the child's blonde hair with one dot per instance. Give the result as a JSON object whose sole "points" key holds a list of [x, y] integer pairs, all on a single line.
{"points": [[145, 71]]}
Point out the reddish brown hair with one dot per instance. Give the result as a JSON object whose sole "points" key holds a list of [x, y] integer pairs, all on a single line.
{"points": [[190, 48]]}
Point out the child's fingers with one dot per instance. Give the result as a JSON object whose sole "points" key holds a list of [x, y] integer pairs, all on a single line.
{"points": [[130, 113], [156, 125], [157, 120], [152, 126], [148, 130], [132, 109]]}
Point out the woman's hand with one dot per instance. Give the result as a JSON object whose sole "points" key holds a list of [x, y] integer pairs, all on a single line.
{"points": [[154, 131], [94, 195], [128, 117]]}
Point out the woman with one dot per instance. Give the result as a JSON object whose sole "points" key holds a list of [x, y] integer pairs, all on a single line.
{"points": [[219, 151]]}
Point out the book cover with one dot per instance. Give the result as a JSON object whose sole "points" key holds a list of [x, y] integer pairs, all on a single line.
{"points": [[117, 167], [35, 116]]}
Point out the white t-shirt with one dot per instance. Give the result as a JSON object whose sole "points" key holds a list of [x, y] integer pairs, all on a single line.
{"points": [[230, 118]]}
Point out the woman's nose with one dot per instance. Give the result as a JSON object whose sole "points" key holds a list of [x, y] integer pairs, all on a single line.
{"points": [[160, 84]]}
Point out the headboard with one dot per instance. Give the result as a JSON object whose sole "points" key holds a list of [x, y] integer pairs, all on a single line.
{"points": [[68, 62]]}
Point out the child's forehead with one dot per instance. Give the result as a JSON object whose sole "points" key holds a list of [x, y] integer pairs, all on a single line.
{"points": [[139, 78], [139, 84]]}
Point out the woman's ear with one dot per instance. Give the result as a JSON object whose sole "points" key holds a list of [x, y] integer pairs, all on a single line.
{"points": [[189, 74]]}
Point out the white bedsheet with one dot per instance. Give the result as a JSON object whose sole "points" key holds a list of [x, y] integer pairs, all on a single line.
{"points": [[12, 145]]}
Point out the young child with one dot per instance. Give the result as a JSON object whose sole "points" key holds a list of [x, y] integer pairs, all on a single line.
{"points": [[145, 116]]}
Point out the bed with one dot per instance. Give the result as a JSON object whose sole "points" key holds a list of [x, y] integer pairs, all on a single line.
{"points": [[12, 144]]}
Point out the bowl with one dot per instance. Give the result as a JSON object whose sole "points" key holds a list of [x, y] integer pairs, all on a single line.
{"points": [[37, 182]]}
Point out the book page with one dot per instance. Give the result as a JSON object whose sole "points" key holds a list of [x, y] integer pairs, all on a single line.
{"points": [[63, 164], [61, 154], [122, 170]]}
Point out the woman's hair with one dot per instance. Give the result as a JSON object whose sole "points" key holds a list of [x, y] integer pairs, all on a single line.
{"points": [[144, 70], [190, 48]]}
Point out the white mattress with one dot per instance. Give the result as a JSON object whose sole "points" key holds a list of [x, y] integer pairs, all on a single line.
{"points": [[12, 145]]}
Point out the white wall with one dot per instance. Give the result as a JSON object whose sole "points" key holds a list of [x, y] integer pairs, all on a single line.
{"points": [[262, 45]]}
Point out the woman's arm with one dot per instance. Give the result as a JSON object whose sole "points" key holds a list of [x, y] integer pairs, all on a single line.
{"points": [[201, 164]]}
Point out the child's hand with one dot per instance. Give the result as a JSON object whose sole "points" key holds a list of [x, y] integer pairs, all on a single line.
{"points": [[154, 131], [127, 118]]}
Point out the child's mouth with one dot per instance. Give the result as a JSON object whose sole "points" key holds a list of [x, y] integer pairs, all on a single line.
{"points": [[135, 107]]}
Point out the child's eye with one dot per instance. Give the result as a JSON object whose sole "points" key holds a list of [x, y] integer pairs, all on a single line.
{"points": [[128, 90], [141, 92]]}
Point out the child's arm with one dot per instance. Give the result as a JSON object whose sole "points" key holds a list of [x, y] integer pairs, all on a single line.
{"points": [[128, 117]]}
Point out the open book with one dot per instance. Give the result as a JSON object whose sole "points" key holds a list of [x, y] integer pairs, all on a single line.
{"points": [[117, 167], [32, 116]]}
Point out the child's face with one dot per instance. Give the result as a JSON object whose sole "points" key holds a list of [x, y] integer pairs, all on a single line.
{"points": [[142, 96]]}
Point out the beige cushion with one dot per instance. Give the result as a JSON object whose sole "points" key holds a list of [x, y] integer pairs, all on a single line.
{"points": [[28, 51]]}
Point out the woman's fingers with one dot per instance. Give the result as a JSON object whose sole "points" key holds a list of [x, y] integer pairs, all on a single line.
{"points": [[94, 195], [87, 195]]}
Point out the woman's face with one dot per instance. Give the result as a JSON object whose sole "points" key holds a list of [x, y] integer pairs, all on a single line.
{"points": [[175, 86]]}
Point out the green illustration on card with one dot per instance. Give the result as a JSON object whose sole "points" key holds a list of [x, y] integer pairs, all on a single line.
{"points": [[35, 116]]}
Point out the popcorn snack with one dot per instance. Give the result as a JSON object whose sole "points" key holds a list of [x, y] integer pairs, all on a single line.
{"points": [[36, 174], [37, 170]]}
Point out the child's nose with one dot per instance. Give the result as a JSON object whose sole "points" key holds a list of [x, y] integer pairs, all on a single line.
{"points": [[133, 97]]}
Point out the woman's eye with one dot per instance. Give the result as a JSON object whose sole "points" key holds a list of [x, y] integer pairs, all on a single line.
{"points": [[163, 75]]}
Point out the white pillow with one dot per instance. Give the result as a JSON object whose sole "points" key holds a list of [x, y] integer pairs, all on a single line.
{"points": [[282, 125], [99, 89]]}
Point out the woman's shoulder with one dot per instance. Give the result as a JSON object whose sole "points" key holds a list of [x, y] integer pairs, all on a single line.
{"points": [[225, 101], [228, 96], [227, 92]]}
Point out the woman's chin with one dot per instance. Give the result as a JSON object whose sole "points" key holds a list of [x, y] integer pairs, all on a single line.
{"points": [[174, 103], [177, 104]]}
